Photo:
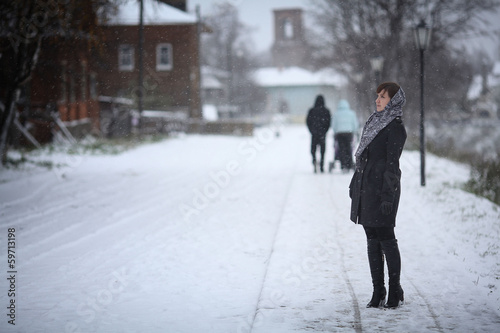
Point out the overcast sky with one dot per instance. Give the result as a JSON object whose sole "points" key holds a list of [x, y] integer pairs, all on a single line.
{"points": [[258, 15]]}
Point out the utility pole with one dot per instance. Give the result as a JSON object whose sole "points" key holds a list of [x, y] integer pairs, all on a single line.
{"points": [[140, 89]]}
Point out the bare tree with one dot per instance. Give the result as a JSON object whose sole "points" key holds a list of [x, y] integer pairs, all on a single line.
{"points": [[353, 32], [24, 26], [228, 48]]}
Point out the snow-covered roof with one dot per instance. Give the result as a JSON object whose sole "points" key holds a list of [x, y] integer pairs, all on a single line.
{"points": [[210, 82], [211, 77], [155, 13], [296, 76], [209, 70]]}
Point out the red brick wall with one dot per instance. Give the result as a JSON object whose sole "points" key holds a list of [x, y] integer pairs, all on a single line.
{"points": [[59, 64], [177, 88]]}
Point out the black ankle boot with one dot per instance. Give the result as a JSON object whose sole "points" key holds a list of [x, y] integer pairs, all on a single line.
{"points": [[378, 298], [396, 297], [376, 261]]}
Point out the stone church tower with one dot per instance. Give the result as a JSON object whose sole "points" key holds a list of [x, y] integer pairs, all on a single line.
{"points": [[289, 48]]}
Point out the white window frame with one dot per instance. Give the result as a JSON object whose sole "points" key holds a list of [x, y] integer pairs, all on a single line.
{"points": [[161, 66], [126, 51]]}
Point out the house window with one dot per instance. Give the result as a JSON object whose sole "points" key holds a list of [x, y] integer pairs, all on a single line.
{"points": [[164, 57], [125, 58]]}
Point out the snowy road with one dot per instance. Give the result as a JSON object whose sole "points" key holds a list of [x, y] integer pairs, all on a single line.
{"points": [[236, 234]]}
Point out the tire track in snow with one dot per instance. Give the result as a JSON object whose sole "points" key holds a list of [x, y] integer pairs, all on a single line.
{"points": [[453, 284], [355, 304], [15, 210], [268, 260], [55, 204], [25, 198], [45, 246], [145, 203], [437, 325]]}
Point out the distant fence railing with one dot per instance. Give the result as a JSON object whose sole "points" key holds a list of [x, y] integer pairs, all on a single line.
{"points": [[167, 122]]}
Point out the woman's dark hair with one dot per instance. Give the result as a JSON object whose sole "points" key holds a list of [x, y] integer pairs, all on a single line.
{"points": [[390, 87]]}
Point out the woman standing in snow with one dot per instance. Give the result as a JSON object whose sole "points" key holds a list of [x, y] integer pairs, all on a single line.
{"points": [[375, 190]]}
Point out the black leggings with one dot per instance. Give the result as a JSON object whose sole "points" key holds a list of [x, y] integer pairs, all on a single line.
{"points": [[380, 233], [318, 141]]}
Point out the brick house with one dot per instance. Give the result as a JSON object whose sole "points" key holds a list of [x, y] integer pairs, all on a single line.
{"points": [[63, 85], [171, 72], [70, 81]]}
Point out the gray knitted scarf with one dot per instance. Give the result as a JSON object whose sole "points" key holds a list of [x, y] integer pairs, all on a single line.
{"points": [[378, 120]]}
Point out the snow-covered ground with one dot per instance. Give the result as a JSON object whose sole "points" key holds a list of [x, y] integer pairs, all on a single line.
{"points": [[236, 234]]}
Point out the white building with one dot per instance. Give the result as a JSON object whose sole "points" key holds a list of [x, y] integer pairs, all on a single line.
{"points": [[293, 90]]}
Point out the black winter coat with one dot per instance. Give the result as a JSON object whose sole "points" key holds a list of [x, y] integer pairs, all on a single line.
{"points": [[378, 178], [318, 118]]}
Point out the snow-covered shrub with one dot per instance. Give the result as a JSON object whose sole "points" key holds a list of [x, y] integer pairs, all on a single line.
{"points": [[485, 180], [474, 142]]}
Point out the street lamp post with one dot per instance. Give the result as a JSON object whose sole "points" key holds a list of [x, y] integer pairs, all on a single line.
{"points": [[357, 78], [422, 38], [140, 89], [377, 64]]}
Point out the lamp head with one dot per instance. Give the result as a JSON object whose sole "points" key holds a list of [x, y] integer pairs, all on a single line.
{"points": [[422, 35]]}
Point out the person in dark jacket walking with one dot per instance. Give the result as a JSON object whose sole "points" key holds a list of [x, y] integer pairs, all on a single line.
{"points": [[318, 123], [375, 191]]}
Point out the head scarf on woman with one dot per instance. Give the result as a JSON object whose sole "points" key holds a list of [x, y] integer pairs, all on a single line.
{"points": [[378, 120]]}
